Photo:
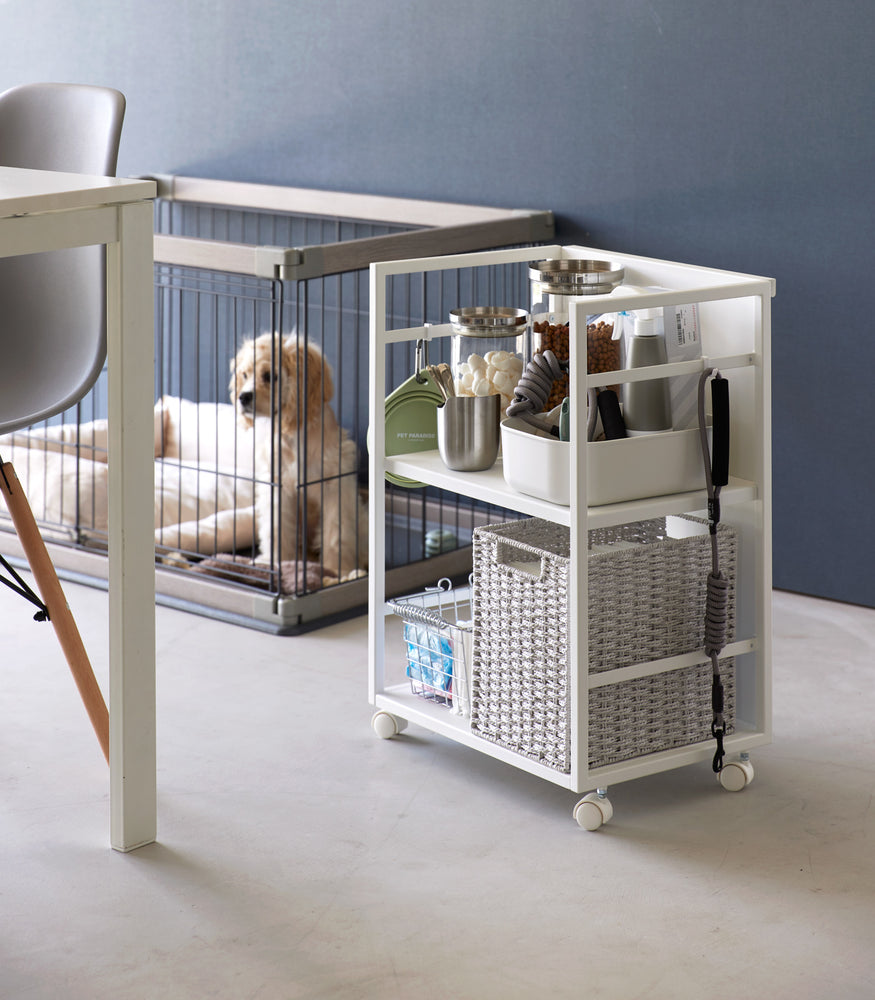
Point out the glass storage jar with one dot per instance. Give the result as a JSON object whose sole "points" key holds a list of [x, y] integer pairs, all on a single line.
{"points": [[553, 284], [488, 347]]}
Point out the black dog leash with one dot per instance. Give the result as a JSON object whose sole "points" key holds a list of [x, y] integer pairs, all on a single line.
{"points": [[717, 595]]}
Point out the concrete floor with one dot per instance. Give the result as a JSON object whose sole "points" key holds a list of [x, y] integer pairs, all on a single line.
{"points": [[302, 857]]}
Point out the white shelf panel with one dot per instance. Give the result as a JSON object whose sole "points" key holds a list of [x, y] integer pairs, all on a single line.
{"points": [[664, 760], [399, 700], [736, 491], [490, 487]]}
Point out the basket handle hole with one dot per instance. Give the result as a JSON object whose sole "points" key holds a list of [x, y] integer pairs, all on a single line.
{"points": [[519, 559]]}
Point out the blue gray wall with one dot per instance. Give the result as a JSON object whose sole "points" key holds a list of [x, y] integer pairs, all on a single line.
{"points": [[736, 135]]}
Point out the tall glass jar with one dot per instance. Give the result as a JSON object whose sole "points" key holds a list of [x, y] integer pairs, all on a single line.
{"points": [[553, 284], [488, 348]]}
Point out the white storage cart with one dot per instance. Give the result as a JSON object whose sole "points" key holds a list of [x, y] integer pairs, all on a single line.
{"points": [[734, 322]]}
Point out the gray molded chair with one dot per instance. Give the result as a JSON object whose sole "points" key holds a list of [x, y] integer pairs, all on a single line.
{"points": [[53, 322]]}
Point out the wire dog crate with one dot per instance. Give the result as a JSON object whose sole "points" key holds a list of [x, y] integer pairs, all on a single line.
{"points": [[251, 275]]}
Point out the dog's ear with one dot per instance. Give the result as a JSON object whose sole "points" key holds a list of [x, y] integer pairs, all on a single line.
{"points": [[320, 377], [233, 366], [247, 346]]}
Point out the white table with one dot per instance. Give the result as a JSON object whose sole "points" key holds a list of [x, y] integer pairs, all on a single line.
{"points": [[41, 210]]}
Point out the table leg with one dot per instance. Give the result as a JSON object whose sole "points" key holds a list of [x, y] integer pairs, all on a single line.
{"points": [[130, 360]]}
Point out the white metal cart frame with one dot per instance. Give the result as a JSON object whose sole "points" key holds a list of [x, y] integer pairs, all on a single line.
{"points": [[735, 314]]}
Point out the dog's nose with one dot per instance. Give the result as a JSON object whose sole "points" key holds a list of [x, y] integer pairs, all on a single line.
{"points": [[245, 399]]}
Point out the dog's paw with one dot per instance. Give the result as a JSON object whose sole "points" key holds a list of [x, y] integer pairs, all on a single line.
{"points": [[353, 574], [171, 557]]}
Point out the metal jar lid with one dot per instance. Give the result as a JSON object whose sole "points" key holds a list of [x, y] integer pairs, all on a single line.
{"points": [[577, 277], [489, 321]]}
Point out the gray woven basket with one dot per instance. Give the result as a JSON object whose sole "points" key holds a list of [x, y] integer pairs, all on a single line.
{"points": [[646, 602]]}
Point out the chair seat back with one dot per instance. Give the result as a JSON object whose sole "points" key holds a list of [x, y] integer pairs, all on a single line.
{"points": [[53, 305]]}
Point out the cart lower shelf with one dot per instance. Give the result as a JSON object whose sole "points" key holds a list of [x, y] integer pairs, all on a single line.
{"points": [[398, 705]]}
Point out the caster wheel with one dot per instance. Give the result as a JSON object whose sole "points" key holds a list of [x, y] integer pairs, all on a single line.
{"points": [[386, 726], [736, 775], [593, 811]]}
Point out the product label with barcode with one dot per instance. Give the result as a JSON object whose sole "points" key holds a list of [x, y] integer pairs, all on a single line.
{"points": [[687, 325], [682, 343]]}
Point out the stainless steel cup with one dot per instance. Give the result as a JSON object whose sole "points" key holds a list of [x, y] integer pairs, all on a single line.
{"points": [[469, 432]]}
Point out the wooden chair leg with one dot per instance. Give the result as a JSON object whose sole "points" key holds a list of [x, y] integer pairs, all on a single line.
{"points": [[59, 611]]}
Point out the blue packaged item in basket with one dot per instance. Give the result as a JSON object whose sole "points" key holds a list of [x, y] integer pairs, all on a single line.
{"points": [[429, 657]]}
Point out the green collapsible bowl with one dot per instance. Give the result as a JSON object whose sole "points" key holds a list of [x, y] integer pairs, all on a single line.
{"points": [[411, 422]]}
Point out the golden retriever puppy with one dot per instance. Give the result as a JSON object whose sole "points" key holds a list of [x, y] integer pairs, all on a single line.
{"points": [[307, 502]]}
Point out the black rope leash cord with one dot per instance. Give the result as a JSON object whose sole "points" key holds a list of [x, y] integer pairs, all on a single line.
{"points": [[717, 594], [17, 584]]}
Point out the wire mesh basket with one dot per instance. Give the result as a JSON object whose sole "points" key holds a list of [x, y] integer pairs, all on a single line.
{"points": [[437, 633], [646, 602]]}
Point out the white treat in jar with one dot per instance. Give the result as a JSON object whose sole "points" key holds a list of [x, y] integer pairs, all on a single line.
{"points": [[505, 382], [494, 372], [501, 359]]}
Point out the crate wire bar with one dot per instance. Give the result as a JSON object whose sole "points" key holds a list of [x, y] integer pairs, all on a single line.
{"points": [[233, 261]]}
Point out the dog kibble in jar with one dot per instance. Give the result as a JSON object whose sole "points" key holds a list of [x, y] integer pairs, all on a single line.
{"points": [[553, 284], [602, 351], [487, 350]]}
